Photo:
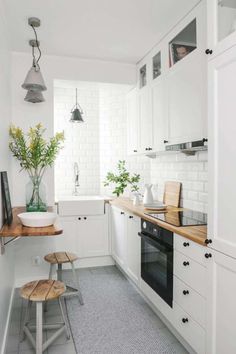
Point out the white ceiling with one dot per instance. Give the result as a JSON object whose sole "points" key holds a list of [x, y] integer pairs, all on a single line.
{"points": [[116, 30]]}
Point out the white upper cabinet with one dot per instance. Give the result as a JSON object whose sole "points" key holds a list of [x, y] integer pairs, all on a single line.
{"points": [[186, 79], [221, 26], [145, 120], [222, 152], [221, 308], [132, 123]]}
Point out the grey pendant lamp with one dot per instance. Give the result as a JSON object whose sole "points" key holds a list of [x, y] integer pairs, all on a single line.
{"points": [[76, 112], [34, 82]]}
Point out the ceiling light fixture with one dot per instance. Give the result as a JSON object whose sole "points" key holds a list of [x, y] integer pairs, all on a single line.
{"points": [[76, 112], [34, 82]]}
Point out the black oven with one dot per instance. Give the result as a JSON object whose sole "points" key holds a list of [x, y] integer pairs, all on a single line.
{"points": [[157, 259]]}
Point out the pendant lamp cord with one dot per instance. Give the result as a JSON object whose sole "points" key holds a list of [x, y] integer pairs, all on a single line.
{"points": [[37, 44]]}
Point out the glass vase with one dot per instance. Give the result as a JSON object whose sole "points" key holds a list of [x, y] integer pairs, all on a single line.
{"points": [[36, 195]]}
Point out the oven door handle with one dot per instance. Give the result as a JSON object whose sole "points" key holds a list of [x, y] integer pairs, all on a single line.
{"points": [[154, 243]]}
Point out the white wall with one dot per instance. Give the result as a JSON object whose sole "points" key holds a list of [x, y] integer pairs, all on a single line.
{"points": [[25, 114], [7, 260]]}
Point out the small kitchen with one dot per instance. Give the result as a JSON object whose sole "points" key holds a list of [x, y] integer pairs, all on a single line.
{"points": [[117, 179]]}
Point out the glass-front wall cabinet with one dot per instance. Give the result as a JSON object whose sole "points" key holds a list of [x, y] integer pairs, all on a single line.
{"points": [[156, 65], [183, 44], [226, 18]]}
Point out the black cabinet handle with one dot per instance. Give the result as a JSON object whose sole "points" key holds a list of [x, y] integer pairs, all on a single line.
{"points": [[79, 218], [184, 320], [146, 149], [149, 148], [135, 151], [85, 218], [165, 141], [207, 241], [185, 264], [208, 51], [131, 217], [186, 244], [185, 292], [208, 255], [204, 140], [122, 213]]}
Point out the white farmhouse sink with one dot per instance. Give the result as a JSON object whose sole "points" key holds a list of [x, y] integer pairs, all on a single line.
{"points": [[37, 219], [81, 205]]}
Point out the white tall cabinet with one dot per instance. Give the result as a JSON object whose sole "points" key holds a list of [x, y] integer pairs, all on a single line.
{"points": [[222, 152], [221, 307]]}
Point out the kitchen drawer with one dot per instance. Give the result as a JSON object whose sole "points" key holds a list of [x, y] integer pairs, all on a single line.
{"points": [[190, 249], [189, 329], [193, 303], [190, 272]]}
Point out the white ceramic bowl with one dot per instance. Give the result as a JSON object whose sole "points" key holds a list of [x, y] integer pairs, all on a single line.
{"points": [[37, 219]]}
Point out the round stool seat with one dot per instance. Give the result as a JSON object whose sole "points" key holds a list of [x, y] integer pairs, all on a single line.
{"points": [[42, 290], [60, 257]]}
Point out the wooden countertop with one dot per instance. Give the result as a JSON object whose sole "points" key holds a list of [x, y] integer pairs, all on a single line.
{"points": [[195, 233], [16, 229]]}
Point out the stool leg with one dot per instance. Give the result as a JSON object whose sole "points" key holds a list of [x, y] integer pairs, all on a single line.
{"points": [[45, 306], [64, 316], [59, 272], [26, 320], [39, 328], [77, 284]]}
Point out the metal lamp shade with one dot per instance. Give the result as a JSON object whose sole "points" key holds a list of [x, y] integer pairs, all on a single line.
{"points": [[34, 80], [76, 116], [34, 97]]}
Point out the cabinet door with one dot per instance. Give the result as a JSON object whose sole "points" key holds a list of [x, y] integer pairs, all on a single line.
{"points": [[221, 25], [92, 236], [118, 236], [67, 241], [221, 307], [159, 118], [145, 119], [222, 152], [132, 122], [133, 247], [186, 79]]}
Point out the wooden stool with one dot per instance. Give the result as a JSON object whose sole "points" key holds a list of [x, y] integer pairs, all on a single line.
{"points": [[40, 291], [59, 258]]}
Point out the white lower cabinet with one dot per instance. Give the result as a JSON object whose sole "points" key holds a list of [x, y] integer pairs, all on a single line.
{"points": [[221, 304], [87, 236], [118, 241], [189, 329], [133, 247], [92, 236], [126, 244]]}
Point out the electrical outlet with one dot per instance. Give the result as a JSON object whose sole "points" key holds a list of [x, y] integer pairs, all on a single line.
{"points": [[36, 261]]}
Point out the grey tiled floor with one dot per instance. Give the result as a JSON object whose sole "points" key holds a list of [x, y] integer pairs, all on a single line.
{"points": [[61, 345]]}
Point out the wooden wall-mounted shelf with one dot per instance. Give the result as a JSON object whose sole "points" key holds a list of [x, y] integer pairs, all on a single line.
{"points": [[17, 230]]}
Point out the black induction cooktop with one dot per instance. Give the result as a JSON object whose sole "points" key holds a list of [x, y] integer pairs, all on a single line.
{"points": [[181, 218]]}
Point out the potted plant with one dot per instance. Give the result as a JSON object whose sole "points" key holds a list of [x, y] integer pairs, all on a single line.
{"points": [[35, 154], [122, 180]]}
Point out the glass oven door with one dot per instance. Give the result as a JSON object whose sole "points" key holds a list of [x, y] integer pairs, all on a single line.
{"points": [[157, 266]]}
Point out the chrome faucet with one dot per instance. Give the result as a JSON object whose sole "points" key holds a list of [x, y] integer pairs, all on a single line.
{"points": [[76, 179]]}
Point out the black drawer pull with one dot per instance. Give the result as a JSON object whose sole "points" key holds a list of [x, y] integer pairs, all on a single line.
{"points": [[122, 213], [207, 241], [208, 51], [79, 218], [185, 292], [208, 255], [135, 150], [184, 320], [165, 141], [85, 218], [131, 217], [186, 244], [186, 263]]}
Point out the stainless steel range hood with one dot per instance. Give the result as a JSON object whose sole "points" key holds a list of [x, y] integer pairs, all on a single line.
{"points": [[189, 148]]}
